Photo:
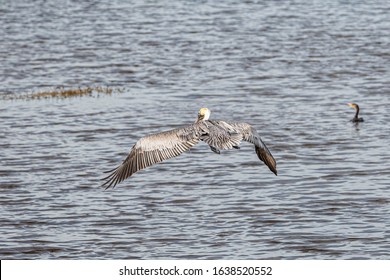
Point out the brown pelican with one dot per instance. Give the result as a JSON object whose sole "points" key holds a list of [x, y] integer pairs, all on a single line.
{"points": [[356, 118], [218, 135]]}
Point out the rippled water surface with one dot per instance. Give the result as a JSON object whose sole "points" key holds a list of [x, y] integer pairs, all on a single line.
{"points": [[286, 67]]}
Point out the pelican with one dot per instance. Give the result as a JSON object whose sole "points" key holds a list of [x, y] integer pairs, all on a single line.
{"points": [[217, 134], [356, 117]]}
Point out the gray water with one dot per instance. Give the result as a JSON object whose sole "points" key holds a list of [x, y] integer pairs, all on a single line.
{"points": [[286, 67]]}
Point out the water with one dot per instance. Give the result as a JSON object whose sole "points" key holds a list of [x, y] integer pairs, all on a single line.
{"points": [[287, 67]]}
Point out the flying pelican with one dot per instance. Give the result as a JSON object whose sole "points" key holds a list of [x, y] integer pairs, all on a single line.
{"points": [[356, 117], [218, 135]]}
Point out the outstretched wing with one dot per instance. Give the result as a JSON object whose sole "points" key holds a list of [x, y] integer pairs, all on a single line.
{"points": [[250, 134], [152, 149]]}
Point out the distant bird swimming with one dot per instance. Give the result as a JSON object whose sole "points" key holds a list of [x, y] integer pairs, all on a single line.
{"points": [[356, 118], [218, 135]]}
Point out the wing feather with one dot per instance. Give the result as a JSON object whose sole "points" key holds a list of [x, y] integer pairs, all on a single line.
{"points": [[250, 134], [221, 135], [153, 149]]}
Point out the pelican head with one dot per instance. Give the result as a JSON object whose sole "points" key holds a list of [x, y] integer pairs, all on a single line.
{"points": [[203, 115]]}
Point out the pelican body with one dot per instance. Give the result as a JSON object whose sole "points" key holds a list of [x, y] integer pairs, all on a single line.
{"points": [[357, 109], [219, 135]]}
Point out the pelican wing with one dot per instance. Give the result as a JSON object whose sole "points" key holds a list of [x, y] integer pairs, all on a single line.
{"points": [[152, 149], [250, 134], [221, 135]]}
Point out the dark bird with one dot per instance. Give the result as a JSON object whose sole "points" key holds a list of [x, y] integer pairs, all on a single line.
{"points": [[356, 117], [218, 135]]}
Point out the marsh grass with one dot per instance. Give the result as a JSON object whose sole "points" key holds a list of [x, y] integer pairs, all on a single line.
{"points": [[62, 93]]}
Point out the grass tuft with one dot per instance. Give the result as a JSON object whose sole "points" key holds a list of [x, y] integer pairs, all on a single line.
{"points": [[62, 92]]}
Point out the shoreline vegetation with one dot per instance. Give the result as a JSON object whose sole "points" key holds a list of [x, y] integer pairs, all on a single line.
{"points": [[62, 93]]}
